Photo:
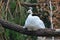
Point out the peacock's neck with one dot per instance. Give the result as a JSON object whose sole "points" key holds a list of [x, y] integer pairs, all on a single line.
{"points": [[30, 14]]}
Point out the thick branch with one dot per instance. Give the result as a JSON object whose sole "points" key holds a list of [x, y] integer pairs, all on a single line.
{"points": [[41, 32], [29, 4], [32, 4]]}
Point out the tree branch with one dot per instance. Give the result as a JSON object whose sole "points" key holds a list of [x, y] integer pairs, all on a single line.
{"points": [[29, 4], [40, 32]]}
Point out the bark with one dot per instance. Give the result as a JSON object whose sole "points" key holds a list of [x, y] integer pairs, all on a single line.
{"points": [[29, 4], [40, 32]]}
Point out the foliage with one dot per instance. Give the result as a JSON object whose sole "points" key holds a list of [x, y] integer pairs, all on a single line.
{"points": [[17, 15], [33, 1]]}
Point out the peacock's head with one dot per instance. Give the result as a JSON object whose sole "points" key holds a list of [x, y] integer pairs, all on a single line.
{"points": [[30, 10]]}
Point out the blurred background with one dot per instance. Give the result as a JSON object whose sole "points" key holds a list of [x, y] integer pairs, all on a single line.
{"points": [[13, 11]]}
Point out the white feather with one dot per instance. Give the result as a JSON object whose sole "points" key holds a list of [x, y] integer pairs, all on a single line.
{"points": [[33, 22]]}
